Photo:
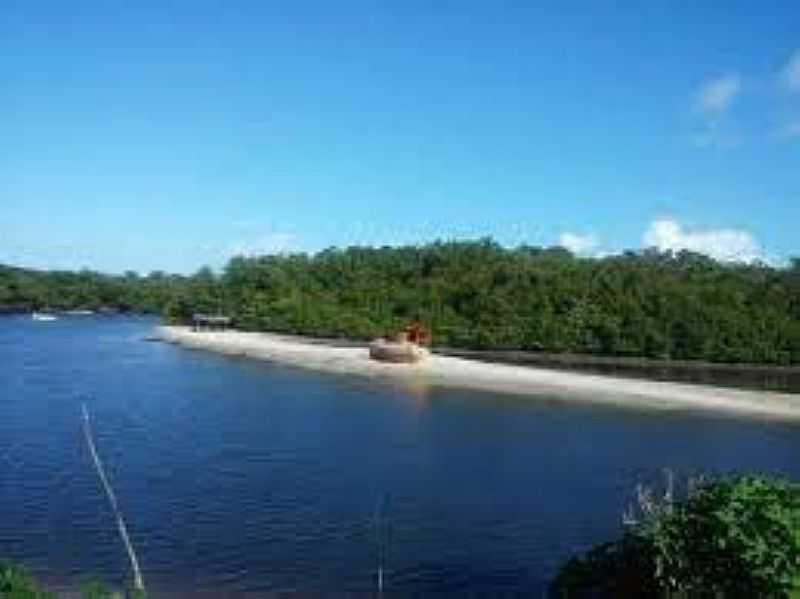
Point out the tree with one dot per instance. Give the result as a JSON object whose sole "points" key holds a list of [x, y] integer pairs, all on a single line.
{"points": [[736, 537], [473, 294]]}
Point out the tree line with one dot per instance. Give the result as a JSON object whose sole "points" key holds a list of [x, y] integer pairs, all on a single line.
{"points": [[25, 290], [478, 294]]}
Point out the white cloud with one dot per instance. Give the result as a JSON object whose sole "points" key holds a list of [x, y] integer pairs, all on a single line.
{"points": [[582, 245], [711, 106], [716, 96], [790, 74], [729, 245], [714, 135], [790, 129]]}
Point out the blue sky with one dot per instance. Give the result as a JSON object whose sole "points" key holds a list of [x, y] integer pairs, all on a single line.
{"points": [[167, 135]]}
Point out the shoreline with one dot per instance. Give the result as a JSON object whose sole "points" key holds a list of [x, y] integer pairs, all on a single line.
{"points": [[756, 377], [519, 356], [525, 381]]}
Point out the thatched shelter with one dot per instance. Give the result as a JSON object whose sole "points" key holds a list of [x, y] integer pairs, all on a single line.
{"points": [[210, 322]]}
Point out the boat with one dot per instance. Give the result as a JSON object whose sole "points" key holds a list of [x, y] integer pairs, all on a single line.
{"points": [[407, 347], [402, 352], [43, 316]]}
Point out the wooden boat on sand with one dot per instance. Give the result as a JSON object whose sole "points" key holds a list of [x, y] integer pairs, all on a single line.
{"points": [[407, 347], [402, 352]]}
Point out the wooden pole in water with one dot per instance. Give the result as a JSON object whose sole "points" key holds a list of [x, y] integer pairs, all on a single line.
{"points": [[381, 523], [138, 581]]}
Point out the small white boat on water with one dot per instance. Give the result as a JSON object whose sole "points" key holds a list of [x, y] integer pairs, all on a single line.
{"points": [[44, 316]]}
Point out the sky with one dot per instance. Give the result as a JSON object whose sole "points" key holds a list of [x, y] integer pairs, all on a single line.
{"points": [[165, 135]]}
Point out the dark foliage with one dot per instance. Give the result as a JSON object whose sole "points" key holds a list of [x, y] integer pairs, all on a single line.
{"points": [[473, 295], [25, 290], [15, 583], [732, 538], [479, 295]]}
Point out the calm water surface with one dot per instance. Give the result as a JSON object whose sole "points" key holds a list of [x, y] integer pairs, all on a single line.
{"points": [[241, 477]]}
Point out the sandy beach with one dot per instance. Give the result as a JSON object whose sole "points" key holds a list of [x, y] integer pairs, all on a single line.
{"points": [[524, 381]]}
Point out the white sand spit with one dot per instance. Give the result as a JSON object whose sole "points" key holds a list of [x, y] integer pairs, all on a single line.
{"points": [[501, 378]]}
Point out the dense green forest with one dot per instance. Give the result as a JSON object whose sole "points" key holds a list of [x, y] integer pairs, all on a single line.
{"points": [[474, 294], [23, 290]]}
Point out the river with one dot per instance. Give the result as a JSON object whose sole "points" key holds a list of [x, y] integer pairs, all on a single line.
{"points": [[240, 477]]}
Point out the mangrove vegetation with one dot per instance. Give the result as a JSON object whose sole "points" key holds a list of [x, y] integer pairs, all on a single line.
{"points": [[474, 294]]}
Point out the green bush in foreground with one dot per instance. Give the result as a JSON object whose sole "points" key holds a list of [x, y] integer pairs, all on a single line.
{"points": [[735, 537], [16, 583]]}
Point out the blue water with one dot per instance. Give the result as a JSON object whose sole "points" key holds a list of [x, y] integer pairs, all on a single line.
{"points": [[238, 477]]}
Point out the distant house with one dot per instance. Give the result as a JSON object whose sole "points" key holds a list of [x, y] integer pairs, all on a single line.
{"points": [[210, 322]]}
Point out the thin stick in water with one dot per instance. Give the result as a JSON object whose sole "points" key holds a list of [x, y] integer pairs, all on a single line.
{"points": [[138, 581], [381, 523]]}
